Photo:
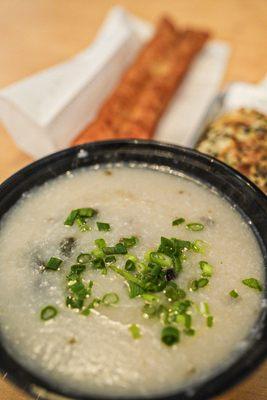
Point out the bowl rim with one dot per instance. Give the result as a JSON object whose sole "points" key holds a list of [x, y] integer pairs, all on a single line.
{"points": [[214, 385]]}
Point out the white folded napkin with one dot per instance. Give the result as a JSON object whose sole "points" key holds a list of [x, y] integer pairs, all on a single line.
{"points": [[241, 94], [44, 112]]}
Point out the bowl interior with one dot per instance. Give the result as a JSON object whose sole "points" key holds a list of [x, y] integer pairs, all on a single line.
{"points": [[249, 201]]}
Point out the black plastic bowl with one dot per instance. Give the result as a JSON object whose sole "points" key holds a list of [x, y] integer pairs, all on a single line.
{"points": [[250, 201]]}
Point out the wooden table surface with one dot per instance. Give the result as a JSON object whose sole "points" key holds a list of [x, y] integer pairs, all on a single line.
{"points": [[36, 34]]}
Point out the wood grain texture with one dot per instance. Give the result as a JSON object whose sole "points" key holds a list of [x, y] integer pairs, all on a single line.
{"points": [[36, 34]]}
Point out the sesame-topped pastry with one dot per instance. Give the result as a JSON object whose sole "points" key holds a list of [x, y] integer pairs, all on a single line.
{"points": [[239, 138]]}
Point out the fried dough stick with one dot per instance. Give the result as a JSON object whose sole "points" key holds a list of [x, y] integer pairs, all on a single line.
{"points": [[136, 105]]}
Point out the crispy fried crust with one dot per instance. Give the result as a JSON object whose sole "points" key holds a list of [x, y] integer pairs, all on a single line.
{"points": [[134, 108]]}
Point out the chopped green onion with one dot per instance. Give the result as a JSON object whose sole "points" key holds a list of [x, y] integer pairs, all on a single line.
{"points": [[234, 293], [130, 265], [160, 259], [199, 246], [129, 242], [200, 283], [77, 287], [48, 312], [53, 263], [135, 331], [149, 310], [84, 258], [174, 293], [78, 268], [195, 226], [98, 263], [75, 272], [89, 288], [180, 306], [82, 224], [134, 290], [204, 309], [79, 215], [178, 221], [87, 212], [162, 313], [128, 276], [188, 321], [209, 321], [150, 297], [73, 302], [103, 226], [180, 319], [110, 298], [119, 248], [206, 268], [100, 243], [189, 332], [132, 258], [71, 217], [252, 283], [170, 335], [97, 253]]}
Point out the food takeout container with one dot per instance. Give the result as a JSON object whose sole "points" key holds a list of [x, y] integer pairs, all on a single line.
{"points": [[243, 194]]}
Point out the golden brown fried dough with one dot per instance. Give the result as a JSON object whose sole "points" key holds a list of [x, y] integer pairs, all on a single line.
{"points": [[136, 105]]}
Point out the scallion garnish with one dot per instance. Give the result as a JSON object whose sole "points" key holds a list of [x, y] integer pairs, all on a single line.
{"points": [[200, 283], [189, 332], [156, 272], [119, 248], [252, 283], [135, 331], [199, 246], [53, 263], [188, 321], [130, 241], [98, 263], [149, 310], [160, 259], [150, 297], [87, 212], [134, 290], [48, 312], [195, 226], [204, 308], [234, 293], [82, 225], [130, 265], [103, 226], [110, 298], [178, 221], [100, 243], [170, 335], [206, 268], [69, 221], [80, 215], [173, 293], [78, 268], [209, 321]]}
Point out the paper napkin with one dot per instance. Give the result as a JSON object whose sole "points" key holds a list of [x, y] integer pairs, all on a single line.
{"points": [[44, 112]]}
